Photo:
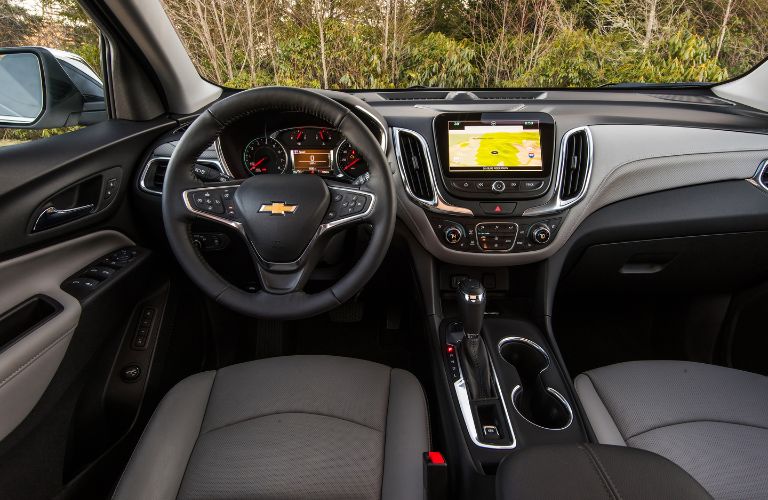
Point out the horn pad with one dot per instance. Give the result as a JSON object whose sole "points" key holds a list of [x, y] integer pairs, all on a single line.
{"points": [[281, 213]]}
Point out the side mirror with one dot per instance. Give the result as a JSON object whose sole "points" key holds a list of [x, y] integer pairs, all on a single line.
{"points": [[46, 88]]}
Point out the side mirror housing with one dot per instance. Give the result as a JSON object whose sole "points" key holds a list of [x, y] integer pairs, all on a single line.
{"points": [[46, 88]]}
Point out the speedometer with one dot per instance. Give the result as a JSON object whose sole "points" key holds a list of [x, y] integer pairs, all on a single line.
{"points": [[349, 161], [264, 155]]}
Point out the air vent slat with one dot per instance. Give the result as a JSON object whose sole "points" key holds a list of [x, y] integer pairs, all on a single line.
{"points": [[575, 165], [415, 167], [159, 176]]}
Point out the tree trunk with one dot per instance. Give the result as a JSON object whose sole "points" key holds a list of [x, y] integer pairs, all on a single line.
{"points": [[386, 35], [321, 28], [723, 28], [650, 23]]}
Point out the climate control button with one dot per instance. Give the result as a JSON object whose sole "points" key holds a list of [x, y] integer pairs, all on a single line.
{"points": [[453, 235]]}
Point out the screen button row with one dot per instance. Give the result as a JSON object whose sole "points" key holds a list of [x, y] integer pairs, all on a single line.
{"points": [[498, 185]]}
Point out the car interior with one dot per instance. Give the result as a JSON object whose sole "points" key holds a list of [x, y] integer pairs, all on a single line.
{"points": [[280, 292]]}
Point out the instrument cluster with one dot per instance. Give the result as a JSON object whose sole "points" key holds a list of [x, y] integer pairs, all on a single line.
{"points": [[304, 150]]}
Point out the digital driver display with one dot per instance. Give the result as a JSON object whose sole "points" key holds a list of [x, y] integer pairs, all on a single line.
{"points": [[504, 146], [312, 161]]}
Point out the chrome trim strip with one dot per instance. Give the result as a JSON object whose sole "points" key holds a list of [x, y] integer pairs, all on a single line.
{"points": [[757, 179], [382, 128], [151, 161], [554, 393], [557, 204], [222, 158], [517, 388], [462, 395], [437, 203], [53, 211]]}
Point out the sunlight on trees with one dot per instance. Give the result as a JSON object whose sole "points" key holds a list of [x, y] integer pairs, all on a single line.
{"points": [[469, 43], [435, 43]]}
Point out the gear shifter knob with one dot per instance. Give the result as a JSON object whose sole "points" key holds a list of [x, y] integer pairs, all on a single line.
{"points": [[471, 297]]}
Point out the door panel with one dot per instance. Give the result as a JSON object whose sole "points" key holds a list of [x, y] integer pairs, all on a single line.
{"points": [[66, 172], [58, 343], [29, 362]]}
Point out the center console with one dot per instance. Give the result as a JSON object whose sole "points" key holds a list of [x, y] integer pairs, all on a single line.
{"points": [[492, 182]]}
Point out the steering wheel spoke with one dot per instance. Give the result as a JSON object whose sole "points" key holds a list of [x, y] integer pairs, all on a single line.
{"points": [[214, 203], [281, 279], [348, 206]]}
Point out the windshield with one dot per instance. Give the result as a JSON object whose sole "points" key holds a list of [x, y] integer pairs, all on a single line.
{"points": [[469, 43]]}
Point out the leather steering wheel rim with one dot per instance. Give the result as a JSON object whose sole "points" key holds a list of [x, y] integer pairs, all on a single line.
{"points": [[179, 179]]}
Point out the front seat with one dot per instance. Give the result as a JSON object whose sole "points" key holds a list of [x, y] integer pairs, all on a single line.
{"points": [[710, 420], [316, 427]]}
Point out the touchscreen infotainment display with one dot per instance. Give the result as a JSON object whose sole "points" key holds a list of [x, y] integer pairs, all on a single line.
{"points": [[498, 146]]}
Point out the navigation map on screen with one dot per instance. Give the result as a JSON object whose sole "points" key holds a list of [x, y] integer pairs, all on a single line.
{"points": [[475, 146]]}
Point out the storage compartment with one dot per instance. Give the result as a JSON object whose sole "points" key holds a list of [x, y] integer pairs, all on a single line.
{"points": [[540, 405], [26, 317]]}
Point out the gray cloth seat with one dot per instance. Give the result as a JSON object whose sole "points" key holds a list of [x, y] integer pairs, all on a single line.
{"points": [[291, 427], [710, 420]]}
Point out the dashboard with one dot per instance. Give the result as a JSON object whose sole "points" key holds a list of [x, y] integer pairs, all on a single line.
{"points": [[505, 178]]}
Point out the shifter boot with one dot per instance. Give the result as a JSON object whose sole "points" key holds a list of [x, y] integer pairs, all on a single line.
{"points": [[476, 367]]}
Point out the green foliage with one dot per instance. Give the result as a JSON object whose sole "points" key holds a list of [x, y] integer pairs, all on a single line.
{"points": [[436, 60]]}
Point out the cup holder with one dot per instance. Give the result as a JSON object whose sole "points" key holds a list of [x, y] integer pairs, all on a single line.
{"points": [[540, 405]]}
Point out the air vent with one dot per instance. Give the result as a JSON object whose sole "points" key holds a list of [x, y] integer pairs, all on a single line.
{"points": [[153, 176], [462, 95], [414, 95], [576, 163], [158, 176], [510, 95], [414, 165]]}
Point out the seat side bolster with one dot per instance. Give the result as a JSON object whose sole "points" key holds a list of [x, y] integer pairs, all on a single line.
{"points": [[600, 419], [159, 461], [407, 437]]}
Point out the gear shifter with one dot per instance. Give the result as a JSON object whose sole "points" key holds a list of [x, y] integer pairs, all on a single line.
{"points": [[473, 357]]}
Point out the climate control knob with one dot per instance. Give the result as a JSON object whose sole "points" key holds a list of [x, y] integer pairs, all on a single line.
{"points": [[540, 234], [453, 235]]}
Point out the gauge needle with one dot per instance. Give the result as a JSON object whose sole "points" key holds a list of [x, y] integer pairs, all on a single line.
{"points": [[322, 135], [350, 164], [255, 164]]}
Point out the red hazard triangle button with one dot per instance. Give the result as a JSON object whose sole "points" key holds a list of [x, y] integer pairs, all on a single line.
{"points": [[498, 208]]}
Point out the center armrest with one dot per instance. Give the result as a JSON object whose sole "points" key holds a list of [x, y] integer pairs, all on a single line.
{"points": [[595, 472]]}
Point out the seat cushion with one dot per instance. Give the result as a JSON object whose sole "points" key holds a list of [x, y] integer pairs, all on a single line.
{"points": [[710, 420], [290, 427]]}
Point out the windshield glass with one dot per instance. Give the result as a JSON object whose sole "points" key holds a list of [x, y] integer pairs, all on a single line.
{"points": [[356, 44]]}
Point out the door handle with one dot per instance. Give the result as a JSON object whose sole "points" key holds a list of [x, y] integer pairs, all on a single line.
{"points": [[52, 216]]}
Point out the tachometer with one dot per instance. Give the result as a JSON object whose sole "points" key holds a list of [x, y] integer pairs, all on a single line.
{"points": [[349, 161], [264, 155]]}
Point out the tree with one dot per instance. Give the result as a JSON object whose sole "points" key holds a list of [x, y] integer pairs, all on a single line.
{"points": [[16, 24]]}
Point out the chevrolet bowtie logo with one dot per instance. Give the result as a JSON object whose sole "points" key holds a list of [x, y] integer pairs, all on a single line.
{"points": [[278, 208]]}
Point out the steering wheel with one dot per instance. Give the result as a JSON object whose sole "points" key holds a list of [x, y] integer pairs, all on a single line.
{"points": [[285, 220]]}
